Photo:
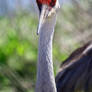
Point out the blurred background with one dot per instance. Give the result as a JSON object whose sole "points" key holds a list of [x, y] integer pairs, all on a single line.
{"points": [[19, 45]]}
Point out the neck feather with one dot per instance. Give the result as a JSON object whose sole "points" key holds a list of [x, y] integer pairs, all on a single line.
{"points": [[45, 74]]}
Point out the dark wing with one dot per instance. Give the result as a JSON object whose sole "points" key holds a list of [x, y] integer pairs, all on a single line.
{"points": [[76, 72]]}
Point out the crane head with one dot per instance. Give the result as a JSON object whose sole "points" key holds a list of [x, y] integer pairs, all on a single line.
{"points": [[47, 9]]}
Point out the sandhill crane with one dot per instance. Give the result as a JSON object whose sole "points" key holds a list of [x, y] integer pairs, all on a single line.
{"points": [[75, 72]]}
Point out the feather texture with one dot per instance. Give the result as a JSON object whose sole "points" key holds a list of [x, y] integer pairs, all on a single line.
{"points": [[75, 74]]}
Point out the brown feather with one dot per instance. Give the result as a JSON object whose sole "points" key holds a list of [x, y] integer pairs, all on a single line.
{"points": [[75, 73]]}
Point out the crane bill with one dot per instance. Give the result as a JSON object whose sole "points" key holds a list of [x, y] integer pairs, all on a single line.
{"points": [[44, 13]]}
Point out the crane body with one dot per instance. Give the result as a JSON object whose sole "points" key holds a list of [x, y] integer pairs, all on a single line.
{"points": [[75, 73]]}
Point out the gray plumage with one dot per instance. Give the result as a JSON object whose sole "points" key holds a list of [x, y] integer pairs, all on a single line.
{"points": [[75, 73]]}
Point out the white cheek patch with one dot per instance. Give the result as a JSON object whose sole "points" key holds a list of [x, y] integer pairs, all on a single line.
{"points": [[54, 9], [57, 6]]}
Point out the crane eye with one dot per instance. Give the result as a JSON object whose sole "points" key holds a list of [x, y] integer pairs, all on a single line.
{"points": [[52, 3]]}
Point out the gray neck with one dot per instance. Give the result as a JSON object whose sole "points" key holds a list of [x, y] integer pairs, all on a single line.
{"points": [[45, 74]]}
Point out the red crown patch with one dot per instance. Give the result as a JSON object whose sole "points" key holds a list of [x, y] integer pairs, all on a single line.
{"points": [[50, 3]]}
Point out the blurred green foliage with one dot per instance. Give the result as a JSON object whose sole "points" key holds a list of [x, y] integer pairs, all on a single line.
{"points": [[18, 54]]}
